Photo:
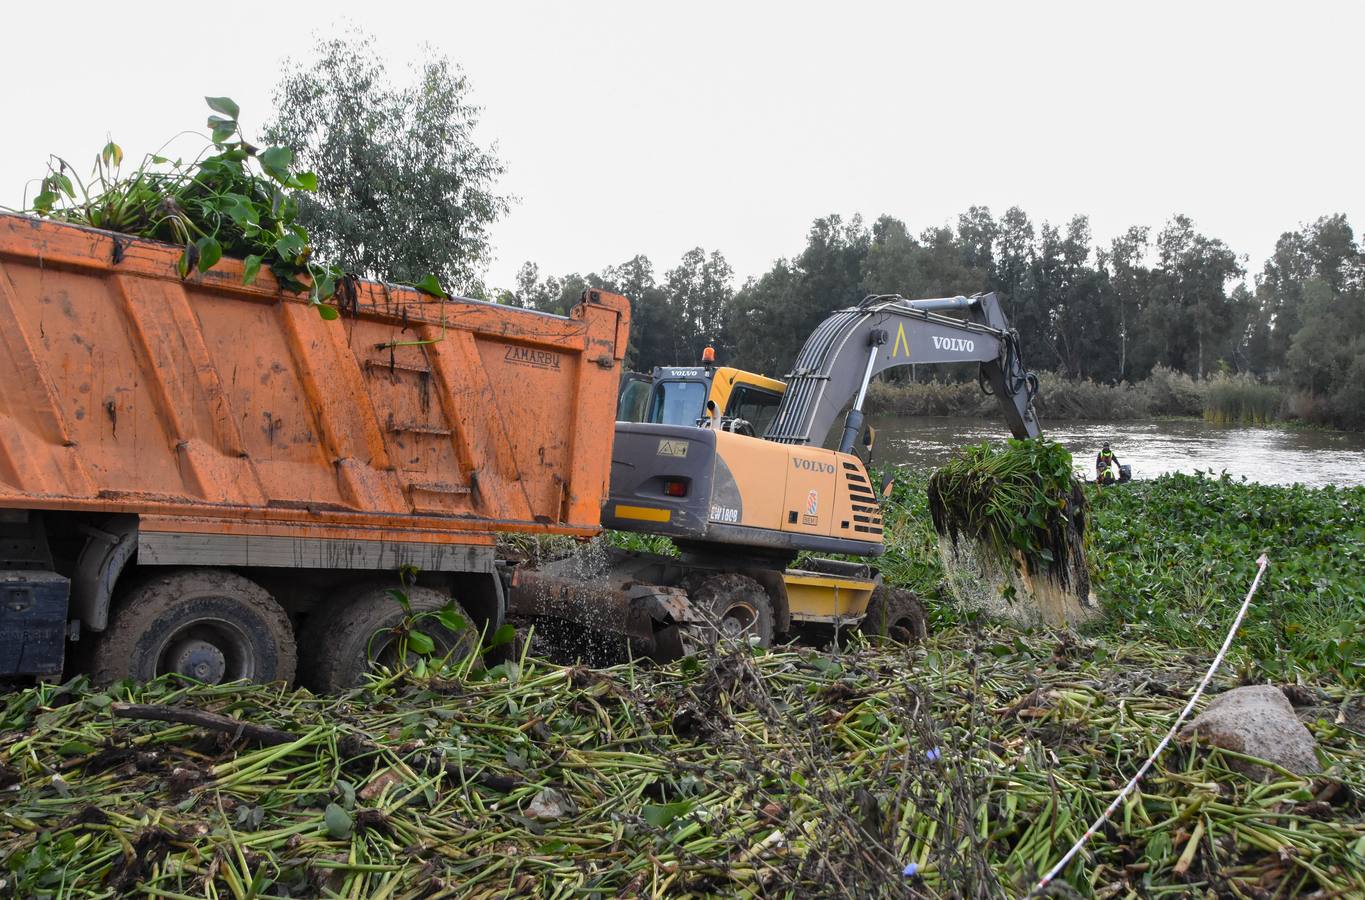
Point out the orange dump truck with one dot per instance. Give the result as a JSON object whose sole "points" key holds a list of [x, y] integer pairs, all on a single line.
{"points": [[205, 477]]}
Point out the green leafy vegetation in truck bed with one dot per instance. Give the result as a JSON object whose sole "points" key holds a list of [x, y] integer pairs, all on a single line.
{"points": [[233, 199]]}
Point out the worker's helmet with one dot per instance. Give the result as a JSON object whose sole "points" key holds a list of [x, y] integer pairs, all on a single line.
{"points": [[1106, 445]]}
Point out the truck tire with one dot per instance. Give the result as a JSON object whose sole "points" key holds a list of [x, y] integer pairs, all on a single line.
{"points": [[895, 614], [340, 645], [738, 606], [206, 624]]}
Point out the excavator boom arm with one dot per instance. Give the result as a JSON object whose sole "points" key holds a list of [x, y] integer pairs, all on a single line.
{"points": [[887, 332]]}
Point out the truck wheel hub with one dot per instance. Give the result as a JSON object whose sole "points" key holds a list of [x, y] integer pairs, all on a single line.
{"points": [[200, 660]]}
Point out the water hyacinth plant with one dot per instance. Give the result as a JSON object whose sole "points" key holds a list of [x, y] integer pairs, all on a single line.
{"points": [[234, 199], [1016, 501]]}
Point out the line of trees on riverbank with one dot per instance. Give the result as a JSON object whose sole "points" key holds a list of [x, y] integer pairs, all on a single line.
{"points": [[1171, 299], [1174, 299]]}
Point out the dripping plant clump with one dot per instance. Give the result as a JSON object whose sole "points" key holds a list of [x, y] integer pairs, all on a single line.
{"points": [[1019, 502]]}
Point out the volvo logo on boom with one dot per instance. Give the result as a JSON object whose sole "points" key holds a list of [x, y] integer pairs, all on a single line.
{"points": [[811, 465], [961, 344]]}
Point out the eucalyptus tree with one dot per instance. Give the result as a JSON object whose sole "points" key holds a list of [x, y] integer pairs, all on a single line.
{"points": [[404, 189]]}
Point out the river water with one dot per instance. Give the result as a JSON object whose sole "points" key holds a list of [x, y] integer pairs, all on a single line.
{"points": [[1267, 455]]}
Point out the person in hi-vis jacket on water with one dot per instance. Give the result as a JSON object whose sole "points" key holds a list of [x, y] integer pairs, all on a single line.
{"points": [[1106, 466]]}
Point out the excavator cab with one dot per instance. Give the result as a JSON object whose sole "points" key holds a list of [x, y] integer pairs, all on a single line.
{"points": [[740, 401], [708, 486]]}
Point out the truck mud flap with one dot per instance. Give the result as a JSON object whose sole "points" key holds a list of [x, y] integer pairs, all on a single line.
{"points": [[32, 622]]}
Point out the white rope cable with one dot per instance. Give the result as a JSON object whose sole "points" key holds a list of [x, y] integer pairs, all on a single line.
{"points": [[1128, 788]]}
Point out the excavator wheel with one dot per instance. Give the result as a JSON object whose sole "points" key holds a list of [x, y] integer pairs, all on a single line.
{"points": [[895, 614], [737, 605]]}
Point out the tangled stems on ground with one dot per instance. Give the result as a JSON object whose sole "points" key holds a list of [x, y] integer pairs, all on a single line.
{"points": [[973, 761]]}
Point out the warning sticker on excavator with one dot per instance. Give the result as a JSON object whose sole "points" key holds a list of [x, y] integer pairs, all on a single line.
{"points": [[812, 516], [672, 448]]}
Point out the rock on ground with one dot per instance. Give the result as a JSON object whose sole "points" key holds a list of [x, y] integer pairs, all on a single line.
{"points": [[1259, 722]]}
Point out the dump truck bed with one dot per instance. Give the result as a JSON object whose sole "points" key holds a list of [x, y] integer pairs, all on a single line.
{"points": [[214, 409]]}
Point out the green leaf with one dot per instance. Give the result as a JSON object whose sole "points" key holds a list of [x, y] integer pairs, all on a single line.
{"points": [[289, 248], [112, 153], [210, 251], [450, 619], [339, 822], [306, 181], [224, 105], [75, 748], [221, 129], [430, 285], [503, 635], [401, 597], [251, 268], [660, 815], [420, 643], [276, 161], [239, 209], [188, 258], [330, 313], [324, 286]]}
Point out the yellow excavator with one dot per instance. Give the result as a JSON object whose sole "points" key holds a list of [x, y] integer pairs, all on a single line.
{"points": [[732, 467]]}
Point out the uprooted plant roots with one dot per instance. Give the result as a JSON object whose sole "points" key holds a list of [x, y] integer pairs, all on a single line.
{"points": [[1020, 501]]}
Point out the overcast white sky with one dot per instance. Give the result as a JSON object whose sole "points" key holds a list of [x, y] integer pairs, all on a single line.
{"points": [[652, 128]]}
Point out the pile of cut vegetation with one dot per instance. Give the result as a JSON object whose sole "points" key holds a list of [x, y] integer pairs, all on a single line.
{"points": [[232, 199], [964, 766], [1011, 525]]}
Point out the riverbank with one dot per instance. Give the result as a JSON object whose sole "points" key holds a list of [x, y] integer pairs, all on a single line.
{"points": [[1220, 400], [1169, 557]]}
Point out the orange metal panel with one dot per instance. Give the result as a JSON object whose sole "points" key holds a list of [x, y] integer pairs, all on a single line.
{"points": [[125, 389], [760, 471]]}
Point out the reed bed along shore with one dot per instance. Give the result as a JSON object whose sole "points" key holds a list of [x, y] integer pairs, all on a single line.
{"points": [[1220, 399]]}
